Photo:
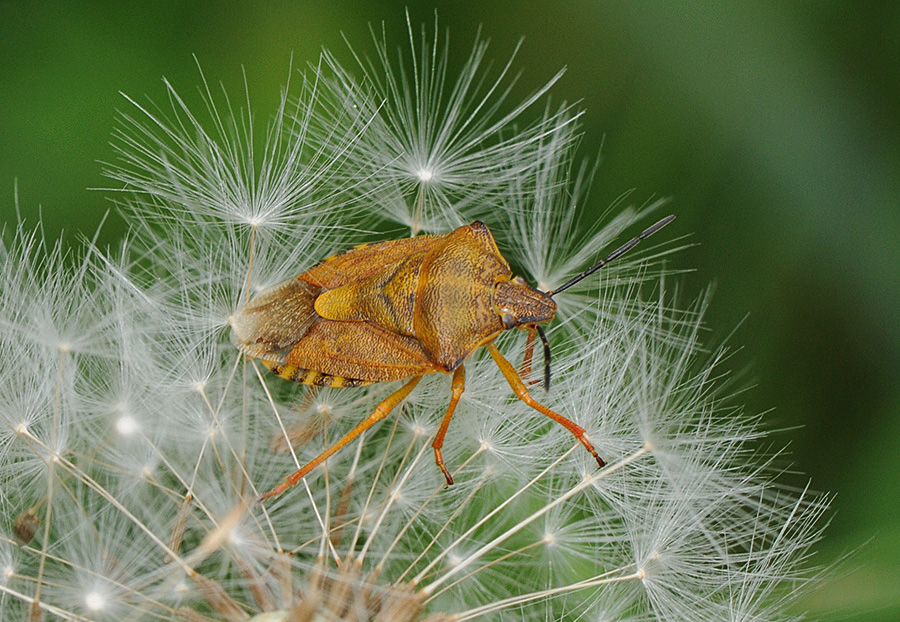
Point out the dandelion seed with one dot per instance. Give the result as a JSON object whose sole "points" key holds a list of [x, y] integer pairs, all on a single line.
{"points": [[438, 148], [26, 526]]}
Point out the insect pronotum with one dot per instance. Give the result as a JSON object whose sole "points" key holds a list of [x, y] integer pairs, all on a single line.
{"points": [[398, 310]]}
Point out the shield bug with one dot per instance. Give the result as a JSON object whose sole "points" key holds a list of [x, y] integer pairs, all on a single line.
{"points": [[400, 309]]}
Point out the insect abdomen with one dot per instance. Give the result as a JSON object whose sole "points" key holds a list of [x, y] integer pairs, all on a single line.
{"points": [[311, 376]]}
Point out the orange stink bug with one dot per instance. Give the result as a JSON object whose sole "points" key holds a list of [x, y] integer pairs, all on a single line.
{"points": [[398, 310]]}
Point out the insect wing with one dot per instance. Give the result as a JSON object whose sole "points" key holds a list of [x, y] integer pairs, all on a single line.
{"points": [[359, 350], [364, 260], [273, 322]]}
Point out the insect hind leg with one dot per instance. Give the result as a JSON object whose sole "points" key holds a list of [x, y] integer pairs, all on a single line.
{"points": [[525, 367], [381, 411], [519, 388]]}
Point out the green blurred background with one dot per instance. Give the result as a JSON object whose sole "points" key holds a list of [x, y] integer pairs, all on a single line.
{"points": [[774, 126]]}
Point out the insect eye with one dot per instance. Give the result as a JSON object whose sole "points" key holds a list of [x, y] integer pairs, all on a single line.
{"points": [[508, 319]]}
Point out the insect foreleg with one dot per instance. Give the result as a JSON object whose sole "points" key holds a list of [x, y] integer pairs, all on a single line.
{"points": [[518, 387], [381, 411], [457, 388], [525, 367]]}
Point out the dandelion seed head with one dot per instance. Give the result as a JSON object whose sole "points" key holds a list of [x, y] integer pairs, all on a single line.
{"points": [[236, 538], [211, 176], [95, 601], [438, 145], [126, 425]]}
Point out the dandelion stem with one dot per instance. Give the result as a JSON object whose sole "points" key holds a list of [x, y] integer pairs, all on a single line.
{"points": [[357, 534], [51, 479], [584, 484], [272, 530], [60, 613], [250, 255], [446, 524], [114, 502], [395, 493], [418, 578], [521, 599], [494, 562]]}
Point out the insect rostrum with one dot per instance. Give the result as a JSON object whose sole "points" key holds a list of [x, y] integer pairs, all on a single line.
{"points": [[397, 310]]}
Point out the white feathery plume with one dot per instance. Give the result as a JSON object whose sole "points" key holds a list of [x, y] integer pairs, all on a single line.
{"points": [[439, 150]]}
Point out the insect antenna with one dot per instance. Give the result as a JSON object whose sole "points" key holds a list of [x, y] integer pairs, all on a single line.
{"points": [[646, 233]]}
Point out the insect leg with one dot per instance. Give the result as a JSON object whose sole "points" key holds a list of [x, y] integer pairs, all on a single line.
{"points": [[518, 387], [525, 367], [381, 411], [457, 388], [307, 427]]}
